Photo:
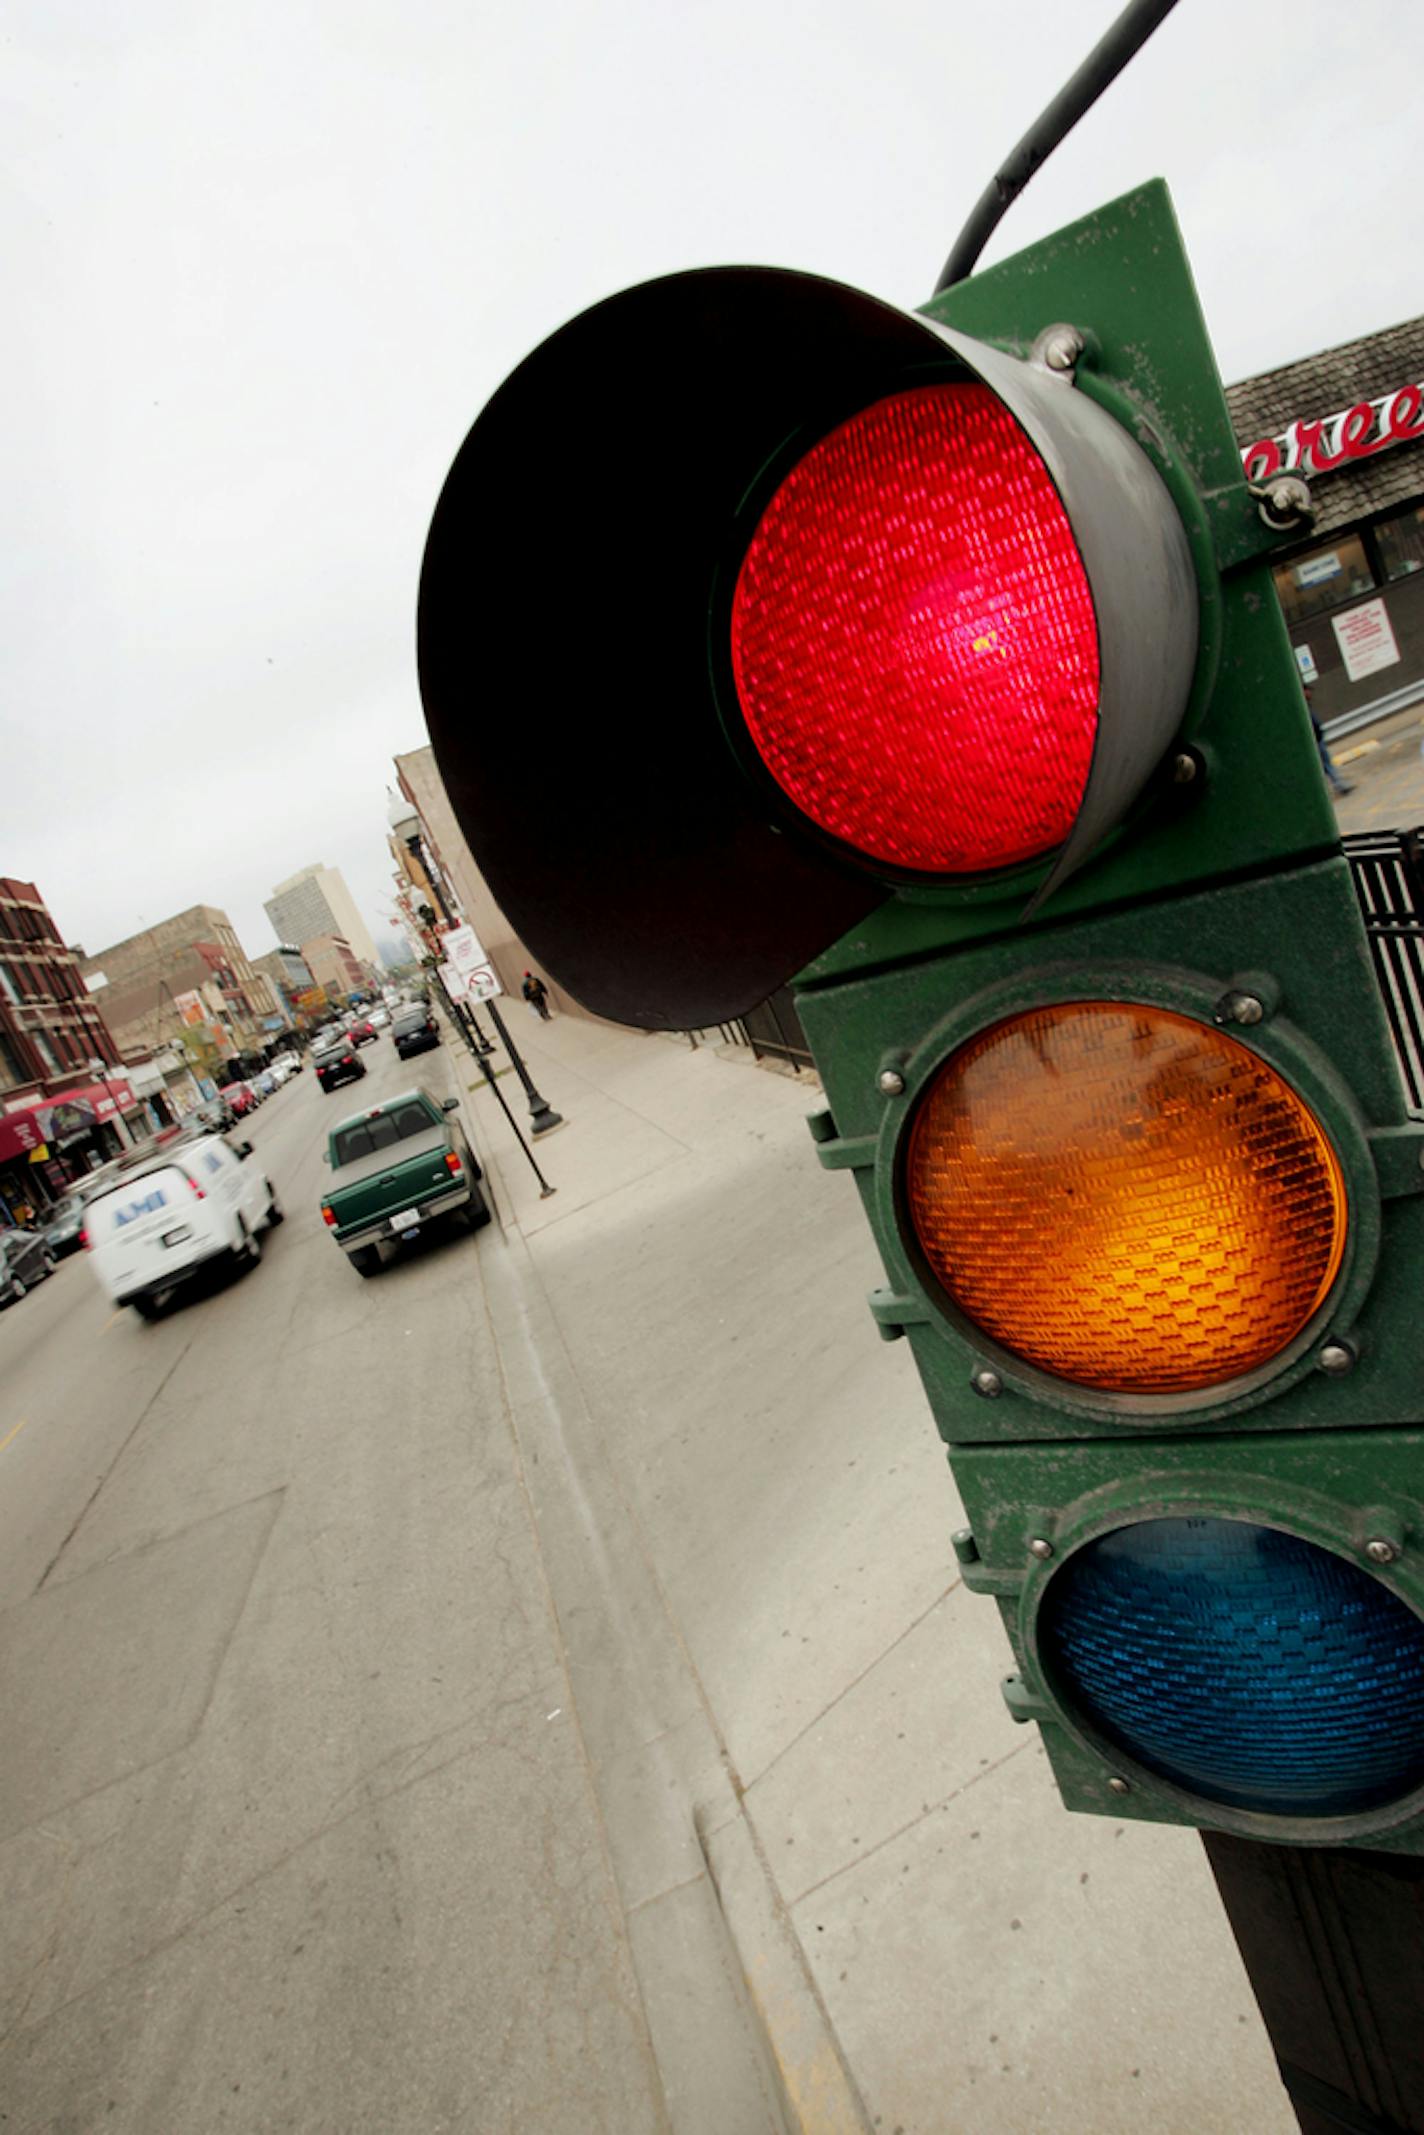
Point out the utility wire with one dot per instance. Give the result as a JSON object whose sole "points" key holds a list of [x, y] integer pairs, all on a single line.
{"points": [[1102, 66]]}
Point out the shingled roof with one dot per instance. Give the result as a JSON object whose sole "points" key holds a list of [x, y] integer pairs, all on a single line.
{"points": [[1320, 385]]}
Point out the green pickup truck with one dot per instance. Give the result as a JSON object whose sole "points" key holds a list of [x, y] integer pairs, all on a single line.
{"points": [[395, 1168]]}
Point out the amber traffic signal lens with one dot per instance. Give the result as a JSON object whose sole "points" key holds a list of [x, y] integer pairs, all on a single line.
{"points": [[1126, 1198]]}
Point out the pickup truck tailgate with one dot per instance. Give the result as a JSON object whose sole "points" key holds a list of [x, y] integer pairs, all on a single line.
{"points": [[378, 1186]]}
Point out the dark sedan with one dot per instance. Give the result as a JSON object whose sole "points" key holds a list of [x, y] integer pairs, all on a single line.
{"points": [[214, 1116], [25, 1259], [415, 1030], [336, 1064], [64, 1225]]}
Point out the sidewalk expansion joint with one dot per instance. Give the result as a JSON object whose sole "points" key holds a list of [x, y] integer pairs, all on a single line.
{"points": [[854, 1683], [936, 1808]]}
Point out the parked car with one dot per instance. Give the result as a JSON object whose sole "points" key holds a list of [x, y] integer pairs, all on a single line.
{"points": [[289, 1063], [172, 1213], [25, 1259], [337, 1063], [396, 1168], [265, 1083], [242, 1099], [64, 1223], [215, 1113], [415, 1030], [363, 1033], [379, 1018]]}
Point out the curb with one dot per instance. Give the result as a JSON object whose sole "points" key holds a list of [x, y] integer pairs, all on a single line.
{"points": [[739, 2033]]}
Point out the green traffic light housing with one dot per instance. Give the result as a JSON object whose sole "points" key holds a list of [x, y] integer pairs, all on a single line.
{"points": [[930, 662]]}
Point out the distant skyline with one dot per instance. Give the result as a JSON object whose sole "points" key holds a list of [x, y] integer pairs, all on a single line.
{"points": [[97, 947], [264, 266]]}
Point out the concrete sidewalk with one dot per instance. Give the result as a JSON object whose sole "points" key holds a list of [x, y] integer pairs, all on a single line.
{"points": [[804, 1737]]}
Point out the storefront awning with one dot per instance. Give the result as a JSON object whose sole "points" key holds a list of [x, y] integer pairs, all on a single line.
{"points": [[61, 1117]]}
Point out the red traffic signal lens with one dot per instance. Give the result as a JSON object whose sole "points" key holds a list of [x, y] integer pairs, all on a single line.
{"points": [[914, 641], [1124, 1197]]}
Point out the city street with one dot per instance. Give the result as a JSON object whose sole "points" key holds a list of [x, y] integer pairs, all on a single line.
{"points": [[533, 1689], [812, 1521], [295, 1823]]}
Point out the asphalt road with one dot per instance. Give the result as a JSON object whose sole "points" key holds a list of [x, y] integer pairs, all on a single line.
{"points": [[296, 1829]]}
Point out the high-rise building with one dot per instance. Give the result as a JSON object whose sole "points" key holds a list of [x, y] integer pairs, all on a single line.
{"points": [[315, 902]]}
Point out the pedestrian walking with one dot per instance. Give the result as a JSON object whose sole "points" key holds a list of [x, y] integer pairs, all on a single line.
{"points": [[1338, 785], [536, 993]]}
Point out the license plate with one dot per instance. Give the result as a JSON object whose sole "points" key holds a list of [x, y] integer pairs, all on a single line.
{"points": [[407, 1222]]}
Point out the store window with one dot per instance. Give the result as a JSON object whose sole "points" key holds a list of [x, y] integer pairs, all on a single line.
{"points": [[1335, 572], [1401, 542]]}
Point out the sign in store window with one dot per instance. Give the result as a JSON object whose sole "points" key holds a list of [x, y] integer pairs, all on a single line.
{"points": [[1324, 579], [1366, 639]]}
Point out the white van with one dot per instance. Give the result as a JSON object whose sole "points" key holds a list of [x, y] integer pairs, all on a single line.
{"points": [[173, 1211]]}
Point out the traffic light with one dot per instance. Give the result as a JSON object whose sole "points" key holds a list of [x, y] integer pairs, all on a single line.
{"points": [[931, 662]]}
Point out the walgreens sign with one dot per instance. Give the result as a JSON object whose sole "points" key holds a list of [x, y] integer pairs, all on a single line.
{"points": [[1331, 441]]}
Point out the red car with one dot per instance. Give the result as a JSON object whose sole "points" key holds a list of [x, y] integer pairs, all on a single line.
{"points": [[242, 1099], [363, 1034]]}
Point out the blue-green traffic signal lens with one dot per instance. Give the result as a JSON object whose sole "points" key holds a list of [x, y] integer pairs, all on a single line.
{"points": [[1242, 1664]]}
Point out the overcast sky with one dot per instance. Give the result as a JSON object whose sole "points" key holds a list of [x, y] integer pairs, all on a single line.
{"points": [[263, 264]]}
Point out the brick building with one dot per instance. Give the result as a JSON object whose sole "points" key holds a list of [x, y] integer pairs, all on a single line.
{"points": [[444, 842], [335, 967], [298, 995], [188, 973], [48, 1023], [59, 1114]]}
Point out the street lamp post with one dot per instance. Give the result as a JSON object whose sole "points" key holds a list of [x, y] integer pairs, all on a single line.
{"points": [[406, 825], [100, 1068]]}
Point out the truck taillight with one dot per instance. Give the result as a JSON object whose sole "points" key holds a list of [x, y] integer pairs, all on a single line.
{"points": [[328, 1215], [452, 1162]]}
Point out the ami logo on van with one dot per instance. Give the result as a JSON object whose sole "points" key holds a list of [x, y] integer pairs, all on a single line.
{"points": [[157, 1199]]}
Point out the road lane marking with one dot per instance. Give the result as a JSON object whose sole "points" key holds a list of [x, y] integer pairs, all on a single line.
{"points": [[13, 1434]]}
